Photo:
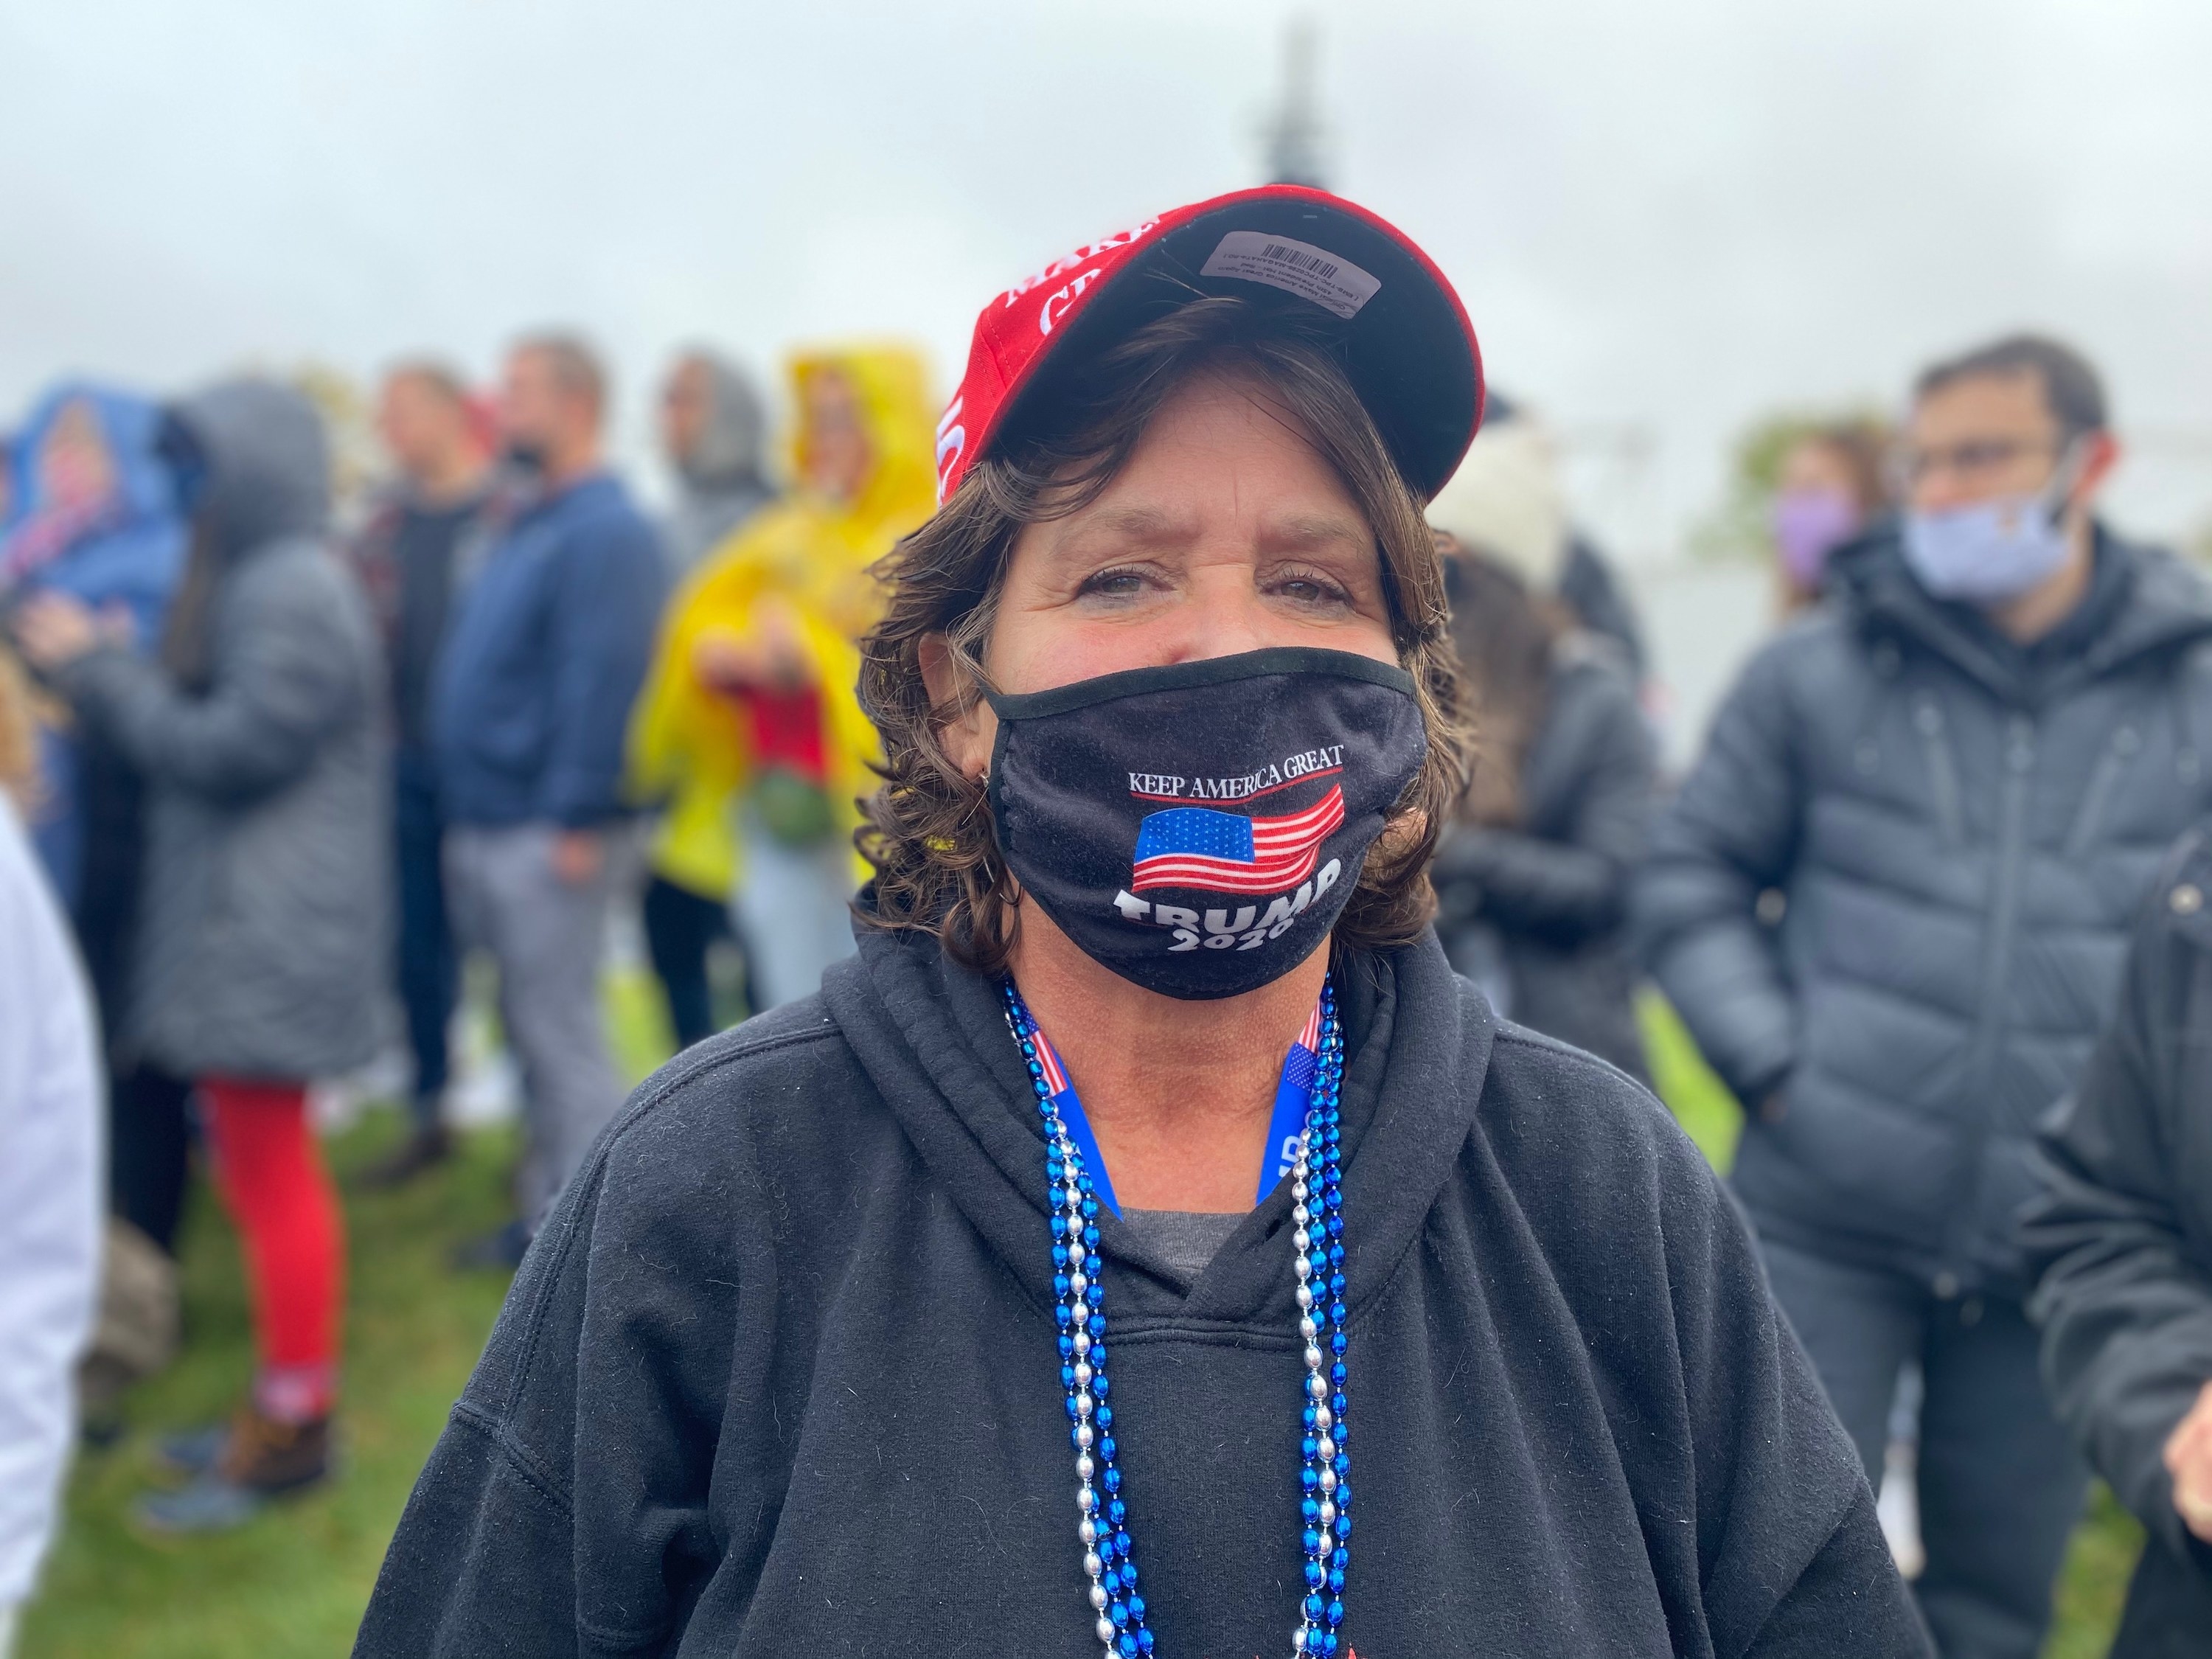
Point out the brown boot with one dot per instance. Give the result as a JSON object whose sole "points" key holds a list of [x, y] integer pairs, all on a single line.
{"points": [[265, 1455], [260, 1459]]}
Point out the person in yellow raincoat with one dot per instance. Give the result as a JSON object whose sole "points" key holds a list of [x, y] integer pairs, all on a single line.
{"points": [[749, 730]]}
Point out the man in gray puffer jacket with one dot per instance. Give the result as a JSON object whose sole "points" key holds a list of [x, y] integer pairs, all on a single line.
{"points": [[1891, 903]]}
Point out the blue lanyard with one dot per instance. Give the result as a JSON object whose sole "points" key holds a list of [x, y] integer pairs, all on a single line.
{"points": [[1293, 1095]]}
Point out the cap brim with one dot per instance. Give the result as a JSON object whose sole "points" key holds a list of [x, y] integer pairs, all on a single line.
{"points": [[1406, 347]]}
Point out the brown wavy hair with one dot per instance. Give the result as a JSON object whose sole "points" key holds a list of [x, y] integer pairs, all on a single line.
{"points": [[928, 829]]}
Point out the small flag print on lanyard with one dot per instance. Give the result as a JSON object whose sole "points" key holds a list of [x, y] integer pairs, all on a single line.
{"points": [[1293, 1093]]}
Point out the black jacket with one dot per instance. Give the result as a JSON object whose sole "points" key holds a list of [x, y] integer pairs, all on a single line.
{"points": [[2122, 1235], [1554, 891], [1959, 831], [779, 1376]]}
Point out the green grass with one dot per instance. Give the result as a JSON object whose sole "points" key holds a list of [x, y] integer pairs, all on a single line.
{"points": [[1699, 1101], [292, 1585], [294, 1581], [2095, 1580]]}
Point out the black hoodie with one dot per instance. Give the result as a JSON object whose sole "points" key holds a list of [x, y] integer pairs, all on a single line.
{"points": [[779, 1377]]}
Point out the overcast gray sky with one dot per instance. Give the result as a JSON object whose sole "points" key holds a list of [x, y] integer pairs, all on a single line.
{"points": [[1665, 218]]}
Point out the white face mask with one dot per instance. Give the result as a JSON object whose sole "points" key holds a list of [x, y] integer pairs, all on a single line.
{"points": [[1993, 551]]}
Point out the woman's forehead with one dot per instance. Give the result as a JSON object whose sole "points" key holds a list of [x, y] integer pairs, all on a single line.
{"points": [[1221, 442]]}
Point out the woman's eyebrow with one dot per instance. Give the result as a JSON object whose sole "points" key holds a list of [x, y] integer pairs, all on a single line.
{"points": [[1134, 522], [1296, 530]]}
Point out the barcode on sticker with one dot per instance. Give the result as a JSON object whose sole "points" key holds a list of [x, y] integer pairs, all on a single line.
{"points": [[1297, 261], [1329, 279]]}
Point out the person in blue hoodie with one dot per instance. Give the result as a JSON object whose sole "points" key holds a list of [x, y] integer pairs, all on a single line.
{"points": [[548, 645], [90, 511], [92, 514]]}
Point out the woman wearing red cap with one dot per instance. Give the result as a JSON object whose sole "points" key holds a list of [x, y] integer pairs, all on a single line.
{"points": [[1146, 1244]]}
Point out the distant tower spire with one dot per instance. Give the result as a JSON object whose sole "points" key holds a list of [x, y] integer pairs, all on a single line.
{"points": [[1294, 134]]}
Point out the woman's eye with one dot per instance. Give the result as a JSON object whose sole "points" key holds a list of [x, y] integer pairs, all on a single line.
{"points": [[1307, 588], [1113, 584]]}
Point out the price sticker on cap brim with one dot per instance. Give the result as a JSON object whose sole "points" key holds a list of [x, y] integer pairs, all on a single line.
{"points": [[1329, 280]]}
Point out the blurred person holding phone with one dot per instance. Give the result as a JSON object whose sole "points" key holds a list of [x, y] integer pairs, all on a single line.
{"points": [[51, 1199], [91, 512], [1890, 902], [550, 632], [439, 444], [260, 954]]}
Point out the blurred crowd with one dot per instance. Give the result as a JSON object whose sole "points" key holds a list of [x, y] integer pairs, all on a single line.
{"points": [[272, 761], [276, 770]]}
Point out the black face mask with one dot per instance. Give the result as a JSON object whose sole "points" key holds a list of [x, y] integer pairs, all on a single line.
{"points": [[1197, 828]]}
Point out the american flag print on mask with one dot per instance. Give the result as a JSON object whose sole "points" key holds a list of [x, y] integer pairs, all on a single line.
{"points": [[1195, 826], [1198, 847]]}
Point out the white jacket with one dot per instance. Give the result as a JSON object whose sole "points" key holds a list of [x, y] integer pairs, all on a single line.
{"points": [[50, 1202]]}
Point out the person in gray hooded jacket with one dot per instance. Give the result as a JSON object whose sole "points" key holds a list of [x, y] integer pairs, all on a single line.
{"points": [[260, 954], [1891, 903], [713, 429]]}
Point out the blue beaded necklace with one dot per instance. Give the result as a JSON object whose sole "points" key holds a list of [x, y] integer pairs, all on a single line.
{"points": [[1317, 1239]]}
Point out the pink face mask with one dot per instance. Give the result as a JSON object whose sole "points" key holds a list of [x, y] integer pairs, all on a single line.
{"points": [[1809, 525]]}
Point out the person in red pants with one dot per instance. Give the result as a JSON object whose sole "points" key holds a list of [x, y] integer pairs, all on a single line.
{"points": [[259, 952], [269, 1171]]}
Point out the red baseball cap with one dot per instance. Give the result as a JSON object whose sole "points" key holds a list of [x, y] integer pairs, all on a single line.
{"points": [[1406, 344]]}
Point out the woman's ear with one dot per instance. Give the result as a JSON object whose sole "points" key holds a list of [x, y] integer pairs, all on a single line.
{"points": [[966, 739]]}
